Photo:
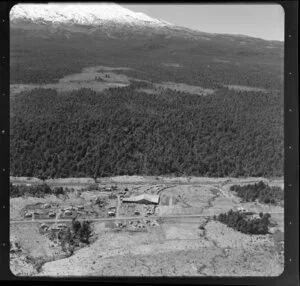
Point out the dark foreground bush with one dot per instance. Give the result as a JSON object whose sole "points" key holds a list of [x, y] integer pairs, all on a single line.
{"points": [[244, 224], [71, 237]]}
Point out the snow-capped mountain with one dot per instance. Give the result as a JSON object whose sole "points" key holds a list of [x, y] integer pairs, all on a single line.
{"points": [[98, 20], [88, 14]]}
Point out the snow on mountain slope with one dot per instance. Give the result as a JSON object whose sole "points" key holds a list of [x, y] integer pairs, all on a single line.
{"points": [[88, 14]]}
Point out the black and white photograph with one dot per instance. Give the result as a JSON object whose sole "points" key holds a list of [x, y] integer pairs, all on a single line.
{"points": [[146, 140]]}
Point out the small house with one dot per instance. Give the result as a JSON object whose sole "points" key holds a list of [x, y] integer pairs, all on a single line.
{"points": [[241, 209], [61, 225], [46, 206], [68, 212], [111, 213], [44, 226], [52, 214]]}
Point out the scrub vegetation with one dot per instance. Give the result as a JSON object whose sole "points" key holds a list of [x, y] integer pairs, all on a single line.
{"points": [[259, 191]]}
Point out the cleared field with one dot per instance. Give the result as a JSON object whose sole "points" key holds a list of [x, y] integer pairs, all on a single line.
{"points": [[191, 89], [181, 231], [33, 250], [98, 73], [96, 78], [100, 78], [219, 205], [184, 88], [66, 86], [279, 219], [144, 254], [33, 242], [246, 88]]}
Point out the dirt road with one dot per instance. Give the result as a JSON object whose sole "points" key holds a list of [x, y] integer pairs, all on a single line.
{"points": [[122, 218]]}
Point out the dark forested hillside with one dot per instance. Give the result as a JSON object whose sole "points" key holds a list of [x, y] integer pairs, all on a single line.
{"points": [[124, 131], [41, 56]]}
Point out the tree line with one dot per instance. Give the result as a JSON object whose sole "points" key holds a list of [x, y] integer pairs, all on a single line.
{"points": [[259, 191], [39, 191]]}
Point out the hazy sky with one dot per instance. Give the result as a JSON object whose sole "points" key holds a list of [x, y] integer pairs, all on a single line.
{"points": [[261, 20]]}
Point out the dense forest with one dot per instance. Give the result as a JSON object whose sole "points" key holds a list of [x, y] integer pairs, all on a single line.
{"points": [[259, 191], [241, 223], [123, 131]]}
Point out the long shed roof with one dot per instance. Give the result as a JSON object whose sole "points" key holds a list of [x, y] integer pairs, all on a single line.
{"points": [[143, 197]]}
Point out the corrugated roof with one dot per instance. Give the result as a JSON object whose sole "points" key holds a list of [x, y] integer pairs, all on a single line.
{"points": [[147, 197]]}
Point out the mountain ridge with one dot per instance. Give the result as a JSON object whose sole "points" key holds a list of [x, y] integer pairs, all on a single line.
{"points": [[89, 14]]}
